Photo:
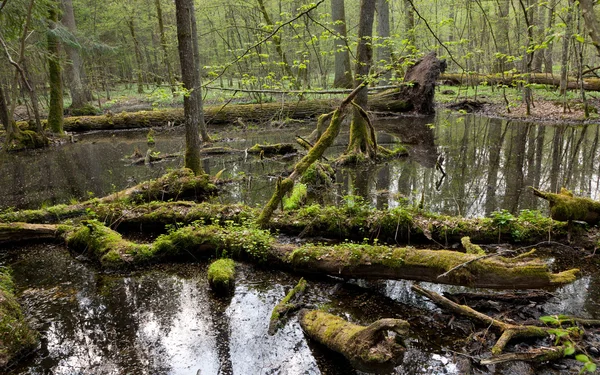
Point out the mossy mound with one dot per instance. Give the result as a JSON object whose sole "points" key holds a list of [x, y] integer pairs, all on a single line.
{"points": [[26, 140], [270, 150], [221, 276], [86, 110], [15, 334]]}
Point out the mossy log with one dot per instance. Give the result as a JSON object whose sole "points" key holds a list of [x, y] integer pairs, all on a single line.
{"points": [[369, 348], [509, 331], [275, 149], [17, 232], [565, 207], [16, 336], [286, 306], [107, 247], [407, 225], [391, 101], [221, 276], [590, 84], [178, 184]]}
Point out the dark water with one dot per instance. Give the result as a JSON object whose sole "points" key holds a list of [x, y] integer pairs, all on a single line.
{"points": [[489, 165], [165, 321]]}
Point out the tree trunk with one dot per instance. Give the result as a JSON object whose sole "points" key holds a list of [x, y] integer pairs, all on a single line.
{"points": [[55, 111], [360, 139], [163, 45], [409, 23], [538, 22], [193, 110], [548, 59], [138, 56], [565, 48], [80, 92], [384, 52], [343, 72], [4, 110], [503, 32], [587, 9], [198, 65]]}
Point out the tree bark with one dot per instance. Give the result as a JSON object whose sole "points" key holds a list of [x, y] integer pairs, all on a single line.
{"points": [[591, 21], [565, 48], [361, 141], [343, 72], [55, 111], [80, 92], [4, 110], [138, 56], [191, 81]]}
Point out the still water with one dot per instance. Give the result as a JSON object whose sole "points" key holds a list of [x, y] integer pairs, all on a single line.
{"points": [[165, 321]]}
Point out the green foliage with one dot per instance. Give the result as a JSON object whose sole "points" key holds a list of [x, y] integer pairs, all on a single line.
{"points": [[568, 338], [296, 198]]}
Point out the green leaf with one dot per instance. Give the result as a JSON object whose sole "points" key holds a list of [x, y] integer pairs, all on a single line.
{"points": [[569, 350], [590, 367], [582, 358], [549, 319]]}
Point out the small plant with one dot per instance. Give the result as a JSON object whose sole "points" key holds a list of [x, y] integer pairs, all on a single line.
{"points": [[150, 137], [566, 337]]}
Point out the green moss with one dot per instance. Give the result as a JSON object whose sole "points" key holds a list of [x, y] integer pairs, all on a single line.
{"points": [[177, 184], [296, 198], [15, 334], [86, 110], [471, 248], [221, 275]]}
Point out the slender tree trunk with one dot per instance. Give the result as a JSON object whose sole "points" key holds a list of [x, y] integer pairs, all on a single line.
{"points": [[502, 32], [538, 23], [548, 59], [138, 56], [343, 71], [163, 45], [76, 77], [360, 140], [277, 42], [55, 111], [565, 48], [184, 10], [409, 22], [198, 65], [384, 51], [4, 110]]}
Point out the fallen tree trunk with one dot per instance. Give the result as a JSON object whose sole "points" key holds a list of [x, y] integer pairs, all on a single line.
{"points": [[286, 306], [367, 348], [107, 247], [590, 84], [399, 225], [565, 207]]}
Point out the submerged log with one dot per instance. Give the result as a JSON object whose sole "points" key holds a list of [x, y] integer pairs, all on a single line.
{"points": [[565, 207], [108, 248], [276, 149], [370, 348]]}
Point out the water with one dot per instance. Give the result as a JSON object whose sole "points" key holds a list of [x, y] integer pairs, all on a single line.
{"points": [[489, 164], [165, 321]]}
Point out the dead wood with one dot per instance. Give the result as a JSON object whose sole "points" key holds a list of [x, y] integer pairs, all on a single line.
{"points": [[289, 304], [566, 207], [369, 348]]}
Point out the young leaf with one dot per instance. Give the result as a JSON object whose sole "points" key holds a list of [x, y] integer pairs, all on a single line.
{"points": [[569, 350], [582, 358], [590, 367]]}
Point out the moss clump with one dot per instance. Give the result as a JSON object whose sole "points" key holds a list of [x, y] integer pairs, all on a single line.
{"points": [[221, 275], [15, 334], [471, 248], [85, 110], [296, 198], [179, 184], [270, 150], [26, 140]]}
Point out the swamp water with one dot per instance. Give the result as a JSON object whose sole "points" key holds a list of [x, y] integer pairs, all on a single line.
{"points": [[165, 320]]}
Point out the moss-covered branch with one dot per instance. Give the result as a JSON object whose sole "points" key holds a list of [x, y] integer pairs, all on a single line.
{"points": [[368, 348], [509, 331], [287, 305]]}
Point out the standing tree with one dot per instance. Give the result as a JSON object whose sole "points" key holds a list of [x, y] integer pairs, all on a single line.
{"points": [[163, 46], [362, 141], [190, 74], [76, 77], [343, 73], [55, 111], [3, 110], [384, 51]]}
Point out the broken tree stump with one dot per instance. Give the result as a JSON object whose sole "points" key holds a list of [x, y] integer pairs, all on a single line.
{"points": [[370, 348]]}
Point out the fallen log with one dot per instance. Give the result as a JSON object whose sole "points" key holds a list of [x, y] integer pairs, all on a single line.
{"points": [[509, 79], [269, 150], [407, 225], [110, 250], [566, 207], [369, 349]]}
